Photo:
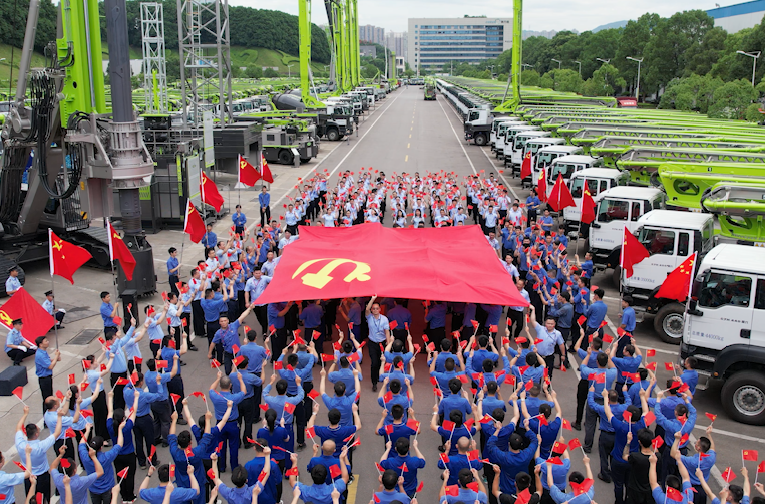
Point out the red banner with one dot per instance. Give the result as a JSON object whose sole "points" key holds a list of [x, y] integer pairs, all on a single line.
{"points": [[37, 322], [445, 264]]}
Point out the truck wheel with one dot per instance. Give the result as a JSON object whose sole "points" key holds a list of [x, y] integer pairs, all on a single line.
{"points": [[304, 160], [480, 140], [333, 135], [285, 157], [668, 323], [743, 397]]}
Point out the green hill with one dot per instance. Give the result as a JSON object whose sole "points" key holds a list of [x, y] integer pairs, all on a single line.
{"points": [[240, 57]]}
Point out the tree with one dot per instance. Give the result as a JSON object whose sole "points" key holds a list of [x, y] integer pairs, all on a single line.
{"points": [[604, 81], [270, 73], [253, 72], [692, 93], [530, 78], [732, 99], [567, 80]]}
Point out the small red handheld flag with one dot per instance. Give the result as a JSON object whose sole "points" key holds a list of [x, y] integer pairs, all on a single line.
{"points": [[574, 444], [289, 408], [335, 471], [123, 473], [749, 455], [674, 495]]}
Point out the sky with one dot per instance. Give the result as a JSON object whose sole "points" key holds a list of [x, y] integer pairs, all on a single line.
{"points": [[581, 15]]}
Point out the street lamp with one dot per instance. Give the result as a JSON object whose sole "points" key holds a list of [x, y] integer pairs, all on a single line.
{"points": [[557, 61], [754, 57], [580, 67], [606, 61], [639, 62], [289, 70], [524, 65]]}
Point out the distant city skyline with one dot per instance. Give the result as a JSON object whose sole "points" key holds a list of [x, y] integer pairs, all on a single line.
{"points": [[551, 15]]}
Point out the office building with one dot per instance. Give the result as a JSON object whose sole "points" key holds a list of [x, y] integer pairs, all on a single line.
{"points": [[397, 42], [733, 18], [436, 41]]}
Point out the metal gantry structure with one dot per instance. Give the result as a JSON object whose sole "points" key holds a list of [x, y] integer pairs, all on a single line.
{"points": [[344, 42], [204, 42], [153, 46]]}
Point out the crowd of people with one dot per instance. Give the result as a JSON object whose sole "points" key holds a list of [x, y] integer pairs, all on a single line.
{"points": [[499, 423]]}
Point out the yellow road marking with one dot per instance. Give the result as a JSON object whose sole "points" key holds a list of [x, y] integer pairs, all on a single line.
{"points": [[406, 158], [407, 145], [410, 136], [352, 488]]}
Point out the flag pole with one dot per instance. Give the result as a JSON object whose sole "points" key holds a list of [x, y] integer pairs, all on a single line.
{"points": [[50, 255], [109, 229]]}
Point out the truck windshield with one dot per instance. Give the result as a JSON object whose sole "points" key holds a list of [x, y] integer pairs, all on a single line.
{"points": [[658, 241], [611, 210], [563, 169], [722, 289], [473, 116], [578, 184], [545, 158]]}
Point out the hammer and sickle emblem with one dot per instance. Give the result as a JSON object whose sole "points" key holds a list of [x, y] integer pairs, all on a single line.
{"points": [[243, 164], [5, 318], [322, 277], [58, 245], [115, 235]]}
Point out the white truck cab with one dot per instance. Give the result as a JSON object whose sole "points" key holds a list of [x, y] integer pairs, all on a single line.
{"points": [[506, 136], [670, 237], [724, 328], [567, 166], [519, 142], [533, 146], [495, 127], [618, 208], [598, 180], [546, 155]]}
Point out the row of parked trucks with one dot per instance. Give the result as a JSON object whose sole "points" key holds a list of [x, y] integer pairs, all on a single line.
{"points": [[683, 184]]}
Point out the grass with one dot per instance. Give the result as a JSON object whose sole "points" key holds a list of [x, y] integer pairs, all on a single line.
{"points": [[5, 67]]}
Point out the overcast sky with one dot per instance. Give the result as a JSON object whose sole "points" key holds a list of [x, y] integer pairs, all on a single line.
{"points": [[558, 15]]}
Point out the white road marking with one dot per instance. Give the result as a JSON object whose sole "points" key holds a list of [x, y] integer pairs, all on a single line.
{"points": [[458, 138]]}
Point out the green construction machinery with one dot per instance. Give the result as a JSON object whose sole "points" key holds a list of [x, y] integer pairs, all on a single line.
{"points": [[429, 89]]}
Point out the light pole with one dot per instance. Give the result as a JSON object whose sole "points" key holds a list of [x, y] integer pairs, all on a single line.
{"points": [[491, 75], [605, 61], [289, 70], [639, 62], [557, 61], [754, 57], [580, 67], [524, 65]]}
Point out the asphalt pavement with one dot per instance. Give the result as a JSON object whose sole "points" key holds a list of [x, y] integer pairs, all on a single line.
{"points": [[404, 133]]}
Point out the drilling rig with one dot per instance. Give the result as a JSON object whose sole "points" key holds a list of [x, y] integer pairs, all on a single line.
{"points": [[67, 152]]}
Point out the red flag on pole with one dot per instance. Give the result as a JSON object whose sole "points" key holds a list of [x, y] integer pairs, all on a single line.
{"points": [[37, 321], [193, 225], [248, 174], [632, 252], [265, 171], [588, 206], [119, 251], [65, 257], [526, 166], [560, 196], [210, 193], [678, 283], [542, 185]]}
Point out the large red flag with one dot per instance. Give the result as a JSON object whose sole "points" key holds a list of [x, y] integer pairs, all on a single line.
{"points": [[678, 283], [588, 206], [248, 174], [210, 193], [560, 197], [265, 170], [119, 251], [37, 321], [65, 257], [632, 252], [526, 166], [193, 224], [542, 185]]}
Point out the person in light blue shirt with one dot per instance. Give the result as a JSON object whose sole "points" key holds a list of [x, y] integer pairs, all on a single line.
{"points": [[596, 313], [627, 364], [347, 375], [312, 317], [16, 346], [10, 480], [12, 285], [690, 376], [341, 401], [178, 494], [173, 267], [575, 477], [278, 402], [248, 405], [241, 492], [379, 332], [270, 264], [28, 434], [464, 494], [78, 485], [395, 348], [351, 312], [435, 317], [402, 316], [255, 353], [322, 492]]}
